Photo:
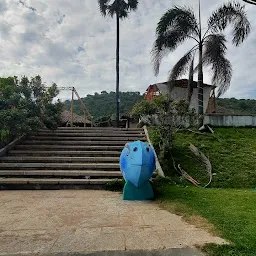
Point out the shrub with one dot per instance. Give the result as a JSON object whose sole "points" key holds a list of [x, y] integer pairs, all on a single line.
{"points": [[25, 106]]}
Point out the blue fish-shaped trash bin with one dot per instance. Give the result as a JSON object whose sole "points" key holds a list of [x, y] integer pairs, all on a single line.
{"points": [[137, 163]]}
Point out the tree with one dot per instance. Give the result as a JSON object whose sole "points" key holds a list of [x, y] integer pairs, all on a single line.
{"points": [[26, 105], [180, 23], [104, 104], [120, 9], [166, 116]]}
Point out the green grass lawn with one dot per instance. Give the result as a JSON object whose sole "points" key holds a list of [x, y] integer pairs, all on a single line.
{"points": [[232, 153], [231, 212]]}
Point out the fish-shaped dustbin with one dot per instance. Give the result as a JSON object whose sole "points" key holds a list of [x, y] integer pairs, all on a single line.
{"points": [[137, 163]]}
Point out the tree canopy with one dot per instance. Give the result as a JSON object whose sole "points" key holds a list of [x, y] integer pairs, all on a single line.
{"points": [[25, 106], [179, 24], [117, 7], [103, 104]]}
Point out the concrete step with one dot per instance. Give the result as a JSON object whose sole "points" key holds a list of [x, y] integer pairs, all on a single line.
{"points": [[58, 138], [71, 147], [76, 143], [61, 166], [98, 130], [56, 159], [89, 134], [61, 173], [64, 153], [66, 158], [93, 128], [53, 181]]}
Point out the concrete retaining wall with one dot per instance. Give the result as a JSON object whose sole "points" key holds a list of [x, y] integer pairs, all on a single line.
{"points": [[11, 145], [230, 120]]}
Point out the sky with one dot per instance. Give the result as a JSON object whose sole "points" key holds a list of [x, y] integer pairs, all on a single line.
{"points": [[69, 42]]}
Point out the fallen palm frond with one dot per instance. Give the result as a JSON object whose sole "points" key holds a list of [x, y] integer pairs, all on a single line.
{"points": [[201, 158]]}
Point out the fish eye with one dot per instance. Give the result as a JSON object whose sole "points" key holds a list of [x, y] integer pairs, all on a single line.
{"points": [[135, 149], [147, 149]]}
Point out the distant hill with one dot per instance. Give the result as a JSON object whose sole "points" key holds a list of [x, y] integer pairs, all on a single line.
{"points": [[104, 104], [235, 106]]}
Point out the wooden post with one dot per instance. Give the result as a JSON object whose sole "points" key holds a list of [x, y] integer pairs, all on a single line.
{"points": [[215, 103], [72, 107], [84, 119]]}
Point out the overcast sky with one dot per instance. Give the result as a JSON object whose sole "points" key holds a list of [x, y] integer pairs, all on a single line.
{"points": [[70, 43]]}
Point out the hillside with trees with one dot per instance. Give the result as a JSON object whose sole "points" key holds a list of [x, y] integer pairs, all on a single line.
{"points": [[235, 106], [103, 105]]}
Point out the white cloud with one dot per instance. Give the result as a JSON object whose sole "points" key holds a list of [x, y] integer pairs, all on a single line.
{"points": [[70, 43]]}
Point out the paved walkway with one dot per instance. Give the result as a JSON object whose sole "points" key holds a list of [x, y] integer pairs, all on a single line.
{"points": [[52, 222]]}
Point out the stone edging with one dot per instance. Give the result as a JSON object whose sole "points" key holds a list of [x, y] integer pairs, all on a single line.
{"points": [[11, 145], [158, 165]]}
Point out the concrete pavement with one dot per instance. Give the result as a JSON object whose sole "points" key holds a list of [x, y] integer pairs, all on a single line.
{"points": [[75, 222]]}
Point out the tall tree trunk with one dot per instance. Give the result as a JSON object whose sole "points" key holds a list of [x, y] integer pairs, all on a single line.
{"points": [[200, 82], [200, 86], [190, 82], [117, 70]]}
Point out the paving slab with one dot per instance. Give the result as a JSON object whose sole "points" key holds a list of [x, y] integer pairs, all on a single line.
{"points": [[78, 222]]}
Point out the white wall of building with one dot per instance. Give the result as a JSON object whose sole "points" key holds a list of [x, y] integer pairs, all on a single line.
{"points": [[230, 120], [180, 93]]}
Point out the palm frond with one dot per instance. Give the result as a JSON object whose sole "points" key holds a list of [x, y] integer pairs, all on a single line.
{"points": [[103, 5], [222, 75], [114, 8], [157, 57], [176, 25], [133, 4], [214, 45], [120, 7], [180, 17], [250, 2], [166, 43], [214, 55], [182, 66], [231, 14]]}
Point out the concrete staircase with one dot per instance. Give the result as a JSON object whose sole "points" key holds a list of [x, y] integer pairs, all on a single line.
{"points": [[66, 158]]}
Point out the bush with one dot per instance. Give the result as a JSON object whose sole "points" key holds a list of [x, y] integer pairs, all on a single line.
{"points": [[26, 105], [167, 117]]}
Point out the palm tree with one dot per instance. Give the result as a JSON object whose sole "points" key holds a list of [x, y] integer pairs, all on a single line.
{"points": [[120, 9], [180, 23]]}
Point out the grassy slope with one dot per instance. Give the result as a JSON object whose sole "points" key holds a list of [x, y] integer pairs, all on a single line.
{"points": [[232, 152], [231, 211]]}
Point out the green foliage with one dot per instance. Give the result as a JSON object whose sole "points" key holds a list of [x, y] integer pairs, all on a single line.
{"points": [[231, 211], [167, 116], [103, 106], [143, 107], [236, 106], [25, 106], [230, 151], [155, 138]]}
